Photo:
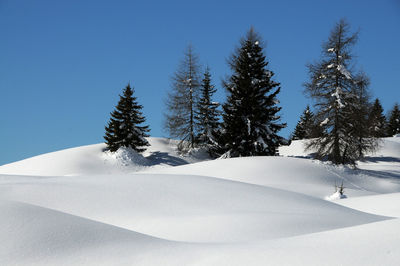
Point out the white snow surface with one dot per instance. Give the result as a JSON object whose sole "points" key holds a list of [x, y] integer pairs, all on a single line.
{"points": [[82, 206], [92, 160]]}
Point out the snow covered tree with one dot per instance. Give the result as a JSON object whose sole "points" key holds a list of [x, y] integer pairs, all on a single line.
{"points": [[305, 128], [182, 101], [124, 128], [393, 127], [377, 120], [207, 114], [250, 115], [335, 91]]}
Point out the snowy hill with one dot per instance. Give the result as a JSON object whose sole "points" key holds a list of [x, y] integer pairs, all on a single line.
{"points": [[83, 207], [91, 160]]}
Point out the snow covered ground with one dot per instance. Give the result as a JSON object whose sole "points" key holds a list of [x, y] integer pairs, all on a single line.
{"points": [[82, 206]]}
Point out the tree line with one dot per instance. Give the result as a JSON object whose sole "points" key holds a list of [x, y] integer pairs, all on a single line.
{"points": [[346, 125], [342, 128], [378, 125]]}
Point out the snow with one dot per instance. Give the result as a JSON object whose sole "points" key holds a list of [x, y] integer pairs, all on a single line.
{"points": [[91, 160], [336, 94], [336, 196], [331, 50], [330, 66], [344, 71], [323, 123], [84, 207]]}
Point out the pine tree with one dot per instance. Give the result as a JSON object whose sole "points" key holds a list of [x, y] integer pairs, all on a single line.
{"points": [[250, 117], [207, 114], [377, 120], [123, 129], [394, 121], [305, 128], [335, 91], [182, 101]]}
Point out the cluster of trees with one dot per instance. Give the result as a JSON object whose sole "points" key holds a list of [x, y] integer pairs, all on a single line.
{"points": [[246, 125], [250, 120], [342, 127], [376, 123], [191, 114], [346, 124]]}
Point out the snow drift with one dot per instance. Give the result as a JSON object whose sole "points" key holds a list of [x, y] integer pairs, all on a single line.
{"points": [[92, 160], [82, 206]]}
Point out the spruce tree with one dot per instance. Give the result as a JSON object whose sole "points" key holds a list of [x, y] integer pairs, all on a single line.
{"points": [[124, 128], [305, 128], [182, 102], [394, 121], [250, 115], [335, 89], [377, 120], [207, 114]]}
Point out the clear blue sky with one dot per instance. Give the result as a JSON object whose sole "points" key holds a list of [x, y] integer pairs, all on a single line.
{"points": [[63, 63]]}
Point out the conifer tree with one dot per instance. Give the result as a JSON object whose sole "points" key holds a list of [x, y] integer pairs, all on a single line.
{"points": [[182, 102], [377, 120], [207, 114], [335, 90], [124, 128], [250, 115], [394, 121], [305, 128]]}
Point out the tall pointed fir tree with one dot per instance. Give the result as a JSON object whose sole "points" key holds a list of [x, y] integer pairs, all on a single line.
{"points": [[124, 128], [393, 126], [377, 120], [250, 115], [306, 127], [207, 119], [333, 88], [182, 101]]}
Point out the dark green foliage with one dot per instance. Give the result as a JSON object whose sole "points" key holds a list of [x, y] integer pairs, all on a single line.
{"points": [[182, 101], [123, 129], [394, 121], [358, 108], [341, 98], [250, 114], [306, 127], [207, 115], [377, 120]]}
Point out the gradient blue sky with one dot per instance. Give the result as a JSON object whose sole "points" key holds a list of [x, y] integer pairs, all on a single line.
{"points": [[63, 63]]}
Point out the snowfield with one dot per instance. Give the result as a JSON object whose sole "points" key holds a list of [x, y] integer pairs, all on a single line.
{"points": [[82, 206]]}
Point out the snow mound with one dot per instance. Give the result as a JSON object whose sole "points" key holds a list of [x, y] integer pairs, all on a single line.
{"points": [[239, 211], [184, 208], [378, 204], [92, 160], [127, 157], [336, 196], [293, 174], [388, 148], [33, 235]]}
